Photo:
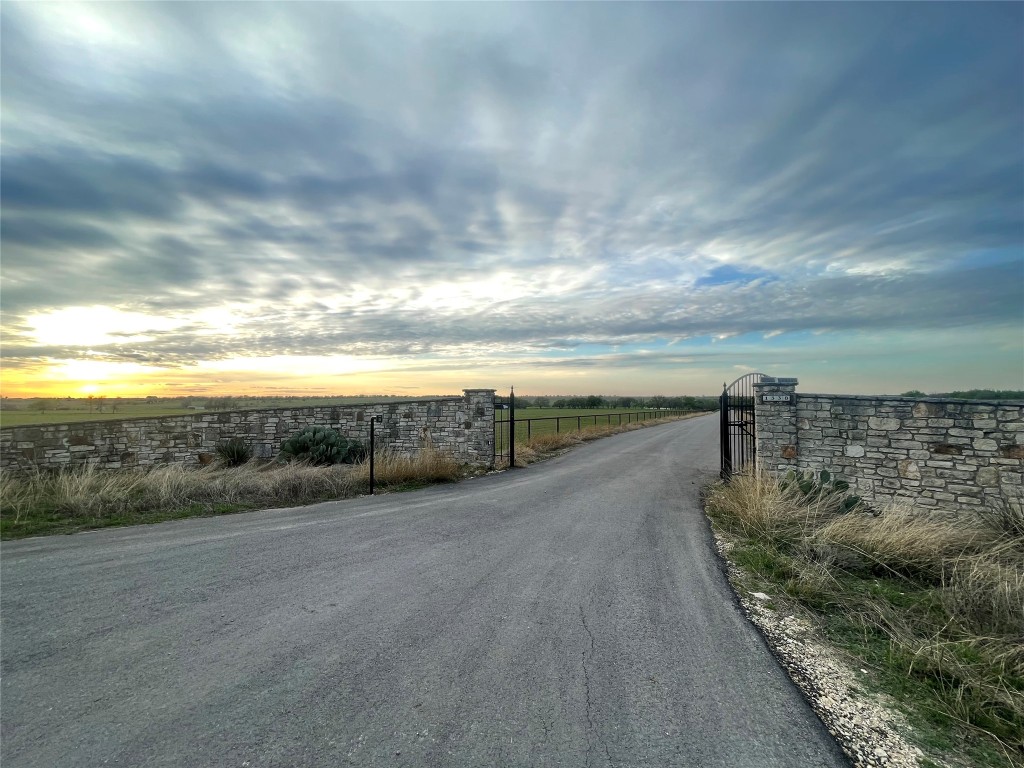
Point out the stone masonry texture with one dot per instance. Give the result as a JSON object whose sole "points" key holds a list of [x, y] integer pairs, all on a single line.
{"points": [[461, 426], [948, 455]]}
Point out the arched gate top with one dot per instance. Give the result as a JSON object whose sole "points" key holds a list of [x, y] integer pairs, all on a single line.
{"points": [[744, 384]]}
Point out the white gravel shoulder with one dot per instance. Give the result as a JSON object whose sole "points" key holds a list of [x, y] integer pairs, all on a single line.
{"points": [[866, 725]]}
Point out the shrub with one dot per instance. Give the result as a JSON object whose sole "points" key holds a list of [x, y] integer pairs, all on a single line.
{"points": [[816, 488], [321, 446], [357, 452], [234, 452]]}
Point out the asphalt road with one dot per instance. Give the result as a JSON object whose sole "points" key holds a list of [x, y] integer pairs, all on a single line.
{"points": [[572, 614]]}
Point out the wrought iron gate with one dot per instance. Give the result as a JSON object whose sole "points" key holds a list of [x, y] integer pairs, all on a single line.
{"points": [[505, 429], [738, 444]]}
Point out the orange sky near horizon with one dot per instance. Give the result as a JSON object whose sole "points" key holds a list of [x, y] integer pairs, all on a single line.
{"points": [[339, 375]]}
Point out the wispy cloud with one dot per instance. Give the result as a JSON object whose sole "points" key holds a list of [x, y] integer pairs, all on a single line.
{"points": [[424, 182]]}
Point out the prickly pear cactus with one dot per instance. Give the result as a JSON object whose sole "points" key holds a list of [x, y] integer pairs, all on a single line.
{"points": [[317, 445]]}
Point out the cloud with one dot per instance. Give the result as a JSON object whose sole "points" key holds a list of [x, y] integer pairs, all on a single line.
{"points": [[422, 184]]}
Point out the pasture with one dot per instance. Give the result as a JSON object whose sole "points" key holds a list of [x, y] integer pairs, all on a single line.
{"points": [[74, 413], [533, 422], [19, 413]]}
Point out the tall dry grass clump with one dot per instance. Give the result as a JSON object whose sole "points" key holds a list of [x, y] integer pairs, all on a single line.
{"points": [[758, 507], [555, 441], [986, 591], [903, 540], [427, 466]]}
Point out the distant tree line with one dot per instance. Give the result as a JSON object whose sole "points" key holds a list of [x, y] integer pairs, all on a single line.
{"points": [[972, 394], [683, 403]]}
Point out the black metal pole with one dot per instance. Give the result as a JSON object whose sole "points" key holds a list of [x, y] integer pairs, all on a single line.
{"points": [[511, 427], [724, 437], [373, 448]]}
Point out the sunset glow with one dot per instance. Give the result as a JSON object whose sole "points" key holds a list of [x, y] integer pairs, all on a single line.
{"points": [[571, 198]]}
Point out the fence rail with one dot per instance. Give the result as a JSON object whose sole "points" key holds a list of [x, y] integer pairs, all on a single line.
{"points": [[510, 430]]}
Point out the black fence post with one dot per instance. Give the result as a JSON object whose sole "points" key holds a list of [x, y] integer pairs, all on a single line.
{"points": [[373, 447], [511, 427], [725, 438]]}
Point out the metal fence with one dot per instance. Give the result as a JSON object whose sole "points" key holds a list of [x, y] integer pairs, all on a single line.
{"points": [[510, 430]]}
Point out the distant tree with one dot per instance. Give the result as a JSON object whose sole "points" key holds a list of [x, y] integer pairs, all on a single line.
{"points": [[985, 394], [542, 402], [100, 402], [221, 403], [40, 404], [914, 393]]}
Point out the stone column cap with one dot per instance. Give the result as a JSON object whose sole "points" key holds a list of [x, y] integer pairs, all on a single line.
{"points": [[772, 380]]}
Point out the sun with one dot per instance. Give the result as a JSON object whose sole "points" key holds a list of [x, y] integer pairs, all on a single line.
{"points": [[89, 389]]}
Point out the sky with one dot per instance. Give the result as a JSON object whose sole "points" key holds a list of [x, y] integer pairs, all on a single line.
{"points": [[329, 198]]}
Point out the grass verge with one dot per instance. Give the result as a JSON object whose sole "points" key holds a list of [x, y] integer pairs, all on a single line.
{"points": [[80, 499], [934, 607]]}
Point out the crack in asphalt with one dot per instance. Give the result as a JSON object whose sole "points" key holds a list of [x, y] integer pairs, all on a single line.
{"points": [[586, 687]]}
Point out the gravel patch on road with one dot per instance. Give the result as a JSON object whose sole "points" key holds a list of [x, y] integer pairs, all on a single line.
{"points": [[866, 725]]}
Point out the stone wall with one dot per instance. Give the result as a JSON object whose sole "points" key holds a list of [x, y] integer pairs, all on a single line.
{"points": [[462, 426], [943, 454]]}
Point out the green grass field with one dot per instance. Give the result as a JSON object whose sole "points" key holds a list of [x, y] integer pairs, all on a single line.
{"points": [[74, 413], [27, 413]]}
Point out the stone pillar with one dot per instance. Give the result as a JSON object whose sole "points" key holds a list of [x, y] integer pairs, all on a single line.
{"points": [[480, 421], [778, 448]]}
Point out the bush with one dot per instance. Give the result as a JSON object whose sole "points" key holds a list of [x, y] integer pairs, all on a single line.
{"points": [[234, 452], [321, 446], [816, 488]]}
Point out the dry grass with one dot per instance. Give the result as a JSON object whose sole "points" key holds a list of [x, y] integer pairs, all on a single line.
{"points": [[986, 591], [936, 604], [393, 470], [904, 540], [757, 507], [87, 497]]}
